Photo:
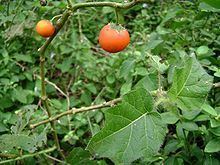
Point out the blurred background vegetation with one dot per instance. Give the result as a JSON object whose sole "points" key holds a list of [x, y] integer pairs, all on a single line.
{"points": [[162, 32]]}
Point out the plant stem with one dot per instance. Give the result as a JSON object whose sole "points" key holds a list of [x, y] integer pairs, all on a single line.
{"points": [[69, 3], [42, 50], [110, 4], [29, 155], [45, 102], [187, 145], [80, 110], [83, 109], [116, 16]]}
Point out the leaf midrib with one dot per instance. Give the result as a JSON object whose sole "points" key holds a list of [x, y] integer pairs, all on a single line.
{"points": [[185, 81]]}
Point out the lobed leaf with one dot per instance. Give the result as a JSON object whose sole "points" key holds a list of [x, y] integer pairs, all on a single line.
{"points": [[132, 130], [191, 85]]}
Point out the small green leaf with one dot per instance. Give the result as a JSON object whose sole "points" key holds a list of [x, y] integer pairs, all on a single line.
{"points": [[3, 128], [215, 123], [169, 117], [91, 87], [65, 66], [202, 50], [207, 108], [153, 44], [213, 145], [126, 68], [174, 160], [190, 115], [110, 79], [155, 61], [215, 131], [202, 117], [25, 58], [141, 71], [126, 87], [78, 156], [149, 82], [190, 126]]}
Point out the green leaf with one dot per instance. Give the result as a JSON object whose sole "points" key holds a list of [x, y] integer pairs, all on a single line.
{"points": [[125, 88], [207, 108], [21, 95], [65, 66], [190, 126], [202, 117], [174, 161], [202, 50], [3, 128], [213, 146], [110, 79], [86, 98], [213, 3], [211, 161], [206, 7], [190, 115], [215, 123], [155, 61], [25, 58], [169, 117], [149, 82], [8, 142], [126, 68], [131, 130], [172, 146], [91, 87], [171, 14], [190, 86], [153, 44], [141, 71], [78, 156], [215, 131]]}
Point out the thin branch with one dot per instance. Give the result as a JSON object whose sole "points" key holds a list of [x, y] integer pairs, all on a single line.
{"points": [[79, 110], [55, 159], [69, 3], [54, 85], [109, 4], [28, 155]]}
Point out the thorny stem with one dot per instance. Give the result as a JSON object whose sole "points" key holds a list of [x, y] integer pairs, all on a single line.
{"points": [[79, 110], [82, 109]]}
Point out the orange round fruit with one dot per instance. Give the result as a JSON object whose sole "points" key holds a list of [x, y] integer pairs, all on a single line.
{"points": [[45, 28], [113, 38]]}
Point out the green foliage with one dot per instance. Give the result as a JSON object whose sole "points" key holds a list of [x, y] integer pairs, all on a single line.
{"points": [[170, 112], [132, 130], [215, 4], [190, 86]]}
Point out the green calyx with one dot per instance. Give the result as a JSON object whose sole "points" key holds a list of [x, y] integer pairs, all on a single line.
{"points": [[117, 27]]}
